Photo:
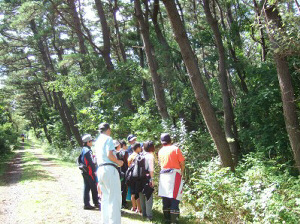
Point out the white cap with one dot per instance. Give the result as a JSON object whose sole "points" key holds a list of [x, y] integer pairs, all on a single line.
{"points": [[87, 138], [116, 143]]}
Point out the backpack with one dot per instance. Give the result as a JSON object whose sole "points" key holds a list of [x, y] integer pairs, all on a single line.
{"points": [[137, 170], [81, 165]]}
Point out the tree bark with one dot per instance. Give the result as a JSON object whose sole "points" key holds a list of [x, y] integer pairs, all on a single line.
{"points": [[229, 122], [236, 43], [105, 34], [67, 111], [120, 44], [274, 25], [198, 85], [49, 69], [262, 41], [150, 54], [77, 24], [85, 66], [62, 116]]}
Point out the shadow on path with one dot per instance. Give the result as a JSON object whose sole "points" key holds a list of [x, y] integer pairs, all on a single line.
{"points": [[13, 168], [23, 167]]}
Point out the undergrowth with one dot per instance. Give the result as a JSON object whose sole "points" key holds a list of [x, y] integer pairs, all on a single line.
{"points": [[258, 192]]}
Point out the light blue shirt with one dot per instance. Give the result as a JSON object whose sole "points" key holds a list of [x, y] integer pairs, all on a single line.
{"points": [[103, 144]]}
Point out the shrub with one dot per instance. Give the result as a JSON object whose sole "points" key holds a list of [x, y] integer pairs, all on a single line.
{"points": [[259, 191]]}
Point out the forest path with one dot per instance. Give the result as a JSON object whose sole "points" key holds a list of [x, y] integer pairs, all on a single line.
{"points": [[39, 188]]}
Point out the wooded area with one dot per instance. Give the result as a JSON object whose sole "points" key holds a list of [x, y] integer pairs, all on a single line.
{"points": [[222, 76]]}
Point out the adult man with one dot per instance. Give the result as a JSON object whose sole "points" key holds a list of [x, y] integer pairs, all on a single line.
{"points": [[131, 140], [170, 182], [108, 176], [122, 154], [89, 177]]}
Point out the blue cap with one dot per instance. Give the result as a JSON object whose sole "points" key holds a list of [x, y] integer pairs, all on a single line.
{"points": [[131, 137]]}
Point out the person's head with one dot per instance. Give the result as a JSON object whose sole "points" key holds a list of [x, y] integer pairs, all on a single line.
{"points": [[136, 147], [148, 146], [123, 144], [117, 145], [165, 139], [131, 139], [104, 128], [87, 140]]}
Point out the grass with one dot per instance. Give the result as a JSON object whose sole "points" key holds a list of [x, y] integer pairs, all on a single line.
{"points": [[32, 170], [3, 163]]}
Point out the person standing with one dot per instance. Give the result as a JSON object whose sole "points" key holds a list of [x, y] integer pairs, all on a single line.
{"points": [[89, 177], [136, 206], [148, 184], [108, 176], [172, 165], [122, 154], [131, 140]]}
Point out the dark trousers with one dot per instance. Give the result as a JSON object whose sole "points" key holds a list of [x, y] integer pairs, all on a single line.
{"points": [[89, 185], [124, 189], [170, 204]]}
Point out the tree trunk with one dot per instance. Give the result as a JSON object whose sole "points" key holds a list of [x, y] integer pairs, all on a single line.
{"points": [[150, 54], [199, 88], [273, 20], [120, 44], [49, 68], [236, 43], [62, 116], [105, 34], [229, 123], [70, 119], [76, 23], [85, 66], [262, 41]]}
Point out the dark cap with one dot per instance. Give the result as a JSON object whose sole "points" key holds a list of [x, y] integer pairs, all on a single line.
{"points": [[131, 137], [165, 138], [103, 127]]}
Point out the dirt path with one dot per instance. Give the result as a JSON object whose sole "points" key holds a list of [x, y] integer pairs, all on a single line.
{"points": [[39, 189]]}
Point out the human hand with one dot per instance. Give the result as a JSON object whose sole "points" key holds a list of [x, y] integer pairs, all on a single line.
{"points": [[120, 163], [152, 183]]}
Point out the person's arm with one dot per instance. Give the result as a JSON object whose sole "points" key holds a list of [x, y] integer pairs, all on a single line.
{"points": [[182, 167], [89, 158], [125, 160], [150, 162], [151, 180], [113, 158], [181, 160]]}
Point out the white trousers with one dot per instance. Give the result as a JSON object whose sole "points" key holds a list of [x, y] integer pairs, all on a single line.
{"points": [[111, 200]]}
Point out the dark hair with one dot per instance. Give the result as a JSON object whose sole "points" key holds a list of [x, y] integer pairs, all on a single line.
{"points": [[85, 144], [149, 146], [103, 127], [122, 142], [165, 138], [135, 146]]}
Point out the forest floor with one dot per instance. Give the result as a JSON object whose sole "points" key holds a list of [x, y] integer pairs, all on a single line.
{"points": [[40, 188]]}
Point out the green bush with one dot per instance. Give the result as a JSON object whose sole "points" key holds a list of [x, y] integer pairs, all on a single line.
{"points": [[8, 137], [258, 192]]}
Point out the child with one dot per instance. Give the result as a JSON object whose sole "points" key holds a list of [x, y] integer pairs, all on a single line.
{"points": [[147, 204], [136, 206], [122, 155]]}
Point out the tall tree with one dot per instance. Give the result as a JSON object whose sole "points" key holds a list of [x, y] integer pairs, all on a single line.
{"points": [[276, 31], [229, 122], [105, 34], [48, 70], [150, 54], [200, 91]]}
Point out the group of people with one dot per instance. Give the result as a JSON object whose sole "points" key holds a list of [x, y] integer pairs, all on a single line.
{"points": [[106, 170]]}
